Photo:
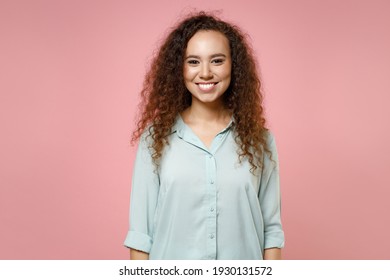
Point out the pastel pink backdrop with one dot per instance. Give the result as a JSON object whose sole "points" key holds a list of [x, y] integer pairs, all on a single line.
{"points": [[70, 74]]}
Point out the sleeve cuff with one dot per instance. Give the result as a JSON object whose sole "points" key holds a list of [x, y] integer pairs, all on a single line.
{"points": [[138, 241], [274, 240]]}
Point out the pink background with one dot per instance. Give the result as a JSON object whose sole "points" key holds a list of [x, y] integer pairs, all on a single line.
{"points": [[70, 73]]}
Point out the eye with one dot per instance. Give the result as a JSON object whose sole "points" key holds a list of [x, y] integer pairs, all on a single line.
{"points": [[192, 62], [218, 61]]}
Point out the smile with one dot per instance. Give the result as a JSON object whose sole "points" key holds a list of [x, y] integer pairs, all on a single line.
{"points": [[206, 86]]}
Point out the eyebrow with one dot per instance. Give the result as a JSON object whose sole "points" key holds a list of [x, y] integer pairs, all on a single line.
{"points": [[211, 56]]}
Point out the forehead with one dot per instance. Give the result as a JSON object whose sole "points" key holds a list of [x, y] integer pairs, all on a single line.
{"points": [[208, 41]]}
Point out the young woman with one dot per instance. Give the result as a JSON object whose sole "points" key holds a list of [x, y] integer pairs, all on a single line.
{"points": [[206, 176]]}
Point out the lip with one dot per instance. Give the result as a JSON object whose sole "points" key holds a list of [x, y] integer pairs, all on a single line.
{"points": [[206, 87]]}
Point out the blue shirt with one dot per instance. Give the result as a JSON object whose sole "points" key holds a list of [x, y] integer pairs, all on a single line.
{"points": [[202, 203]]}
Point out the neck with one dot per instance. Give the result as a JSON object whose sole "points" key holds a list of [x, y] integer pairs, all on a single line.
{"points": [[212, 112]]}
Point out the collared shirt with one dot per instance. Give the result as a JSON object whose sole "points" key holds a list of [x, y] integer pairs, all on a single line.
{"points": [[202, 203]]}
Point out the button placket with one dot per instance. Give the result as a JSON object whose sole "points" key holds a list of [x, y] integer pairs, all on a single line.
{"points": [[212, 200]]}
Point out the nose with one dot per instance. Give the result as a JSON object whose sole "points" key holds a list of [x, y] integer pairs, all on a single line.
{"points": [[205, 72]]}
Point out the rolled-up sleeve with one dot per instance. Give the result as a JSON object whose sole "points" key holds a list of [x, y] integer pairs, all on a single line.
{"points": [[270, 199], [143, 200]]}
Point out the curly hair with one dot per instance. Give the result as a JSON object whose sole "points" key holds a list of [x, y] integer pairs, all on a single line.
{"points": [[164, 94]]}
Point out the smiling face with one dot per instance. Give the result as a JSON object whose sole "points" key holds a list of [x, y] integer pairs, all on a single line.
{"points": [[207, 66]]}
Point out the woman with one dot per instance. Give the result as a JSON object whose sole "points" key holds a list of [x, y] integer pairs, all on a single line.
{"points": [[206, 179]]}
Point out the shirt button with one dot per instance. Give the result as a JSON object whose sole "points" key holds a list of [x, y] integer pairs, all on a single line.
{"points": [[211, 236], [212, 209], [212, 182]]}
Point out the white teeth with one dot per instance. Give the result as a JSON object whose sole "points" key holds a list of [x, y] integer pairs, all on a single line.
{"points": [[206, 86]]}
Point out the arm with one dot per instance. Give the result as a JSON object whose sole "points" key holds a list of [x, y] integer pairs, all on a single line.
{"points": [[270, 203], [273, 254], [143, 201], [138, 255]]}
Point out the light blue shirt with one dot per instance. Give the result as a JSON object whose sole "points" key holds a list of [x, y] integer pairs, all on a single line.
{"points": [[202, 203]]}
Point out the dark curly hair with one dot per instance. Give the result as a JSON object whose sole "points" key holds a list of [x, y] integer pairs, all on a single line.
{"points": [[164, 94]]}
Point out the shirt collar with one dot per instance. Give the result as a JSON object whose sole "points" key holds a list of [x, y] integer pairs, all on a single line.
{"points": [[180, 126]]}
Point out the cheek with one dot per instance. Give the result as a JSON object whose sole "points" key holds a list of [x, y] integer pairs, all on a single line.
{"points": [[186, 73], [226, 72], [227, 76]]}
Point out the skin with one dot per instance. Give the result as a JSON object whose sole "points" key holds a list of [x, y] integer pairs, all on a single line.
{"points": [[207, 75], [207, 62], [272, 254], [138, 255]]}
